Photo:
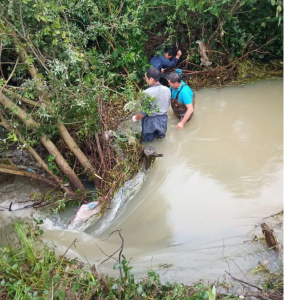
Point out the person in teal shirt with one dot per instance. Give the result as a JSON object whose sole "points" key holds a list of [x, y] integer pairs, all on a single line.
{"points": [[183, 101]]}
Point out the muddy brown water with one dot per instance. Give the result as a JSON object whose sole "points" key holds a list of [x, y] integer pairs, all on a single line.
{"points": [[218, 178]]}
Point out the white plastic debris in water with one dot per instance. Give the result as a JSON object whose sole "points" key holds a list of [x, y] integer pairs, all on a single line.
{"points": [[123, 195], [88, 214], [85, 212]]}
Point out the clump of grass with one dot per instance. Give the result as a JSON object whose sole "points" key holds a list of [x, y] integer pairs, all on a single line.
{"points": [[29, 269], [27, 272]]}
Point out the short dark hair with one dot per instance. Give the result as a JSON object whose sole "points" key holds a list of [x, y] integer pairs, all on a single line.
{"points": [[171, 51], [174, 77], [153, 73]]}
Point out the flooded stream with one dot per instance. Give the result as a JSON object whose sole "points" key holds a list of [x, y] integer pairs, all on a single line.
{"points": [[218, 178]]}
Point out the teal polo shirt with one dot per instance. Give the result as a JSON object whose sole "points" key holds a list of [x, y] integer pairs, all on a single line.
{"points": [[185, 96]]}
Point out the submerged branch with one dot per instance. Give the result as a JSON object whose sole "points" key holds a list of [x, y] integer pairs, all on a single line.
{"points": [[274, 215]]}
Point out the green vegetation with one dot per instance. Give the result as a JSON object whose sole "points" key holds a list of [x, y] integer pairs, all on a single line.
{"points": [[29, 269], [69, 70]]}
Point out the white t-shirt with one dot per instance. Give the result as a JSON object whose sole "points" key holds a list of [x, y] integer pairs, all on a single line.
{"points": [[163, 98]]}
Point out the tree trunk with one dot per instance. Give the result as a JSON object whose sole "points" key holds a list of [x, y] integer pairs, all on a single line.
{"points": [[268, 233], [32, 70], [61, 162], [14, 108], [99, 148], [76, 150], [19, 97]]}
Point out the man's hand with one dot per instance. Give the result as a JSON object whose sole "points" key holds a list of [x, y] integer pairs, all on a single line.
{"points": [[163, 70], [179, 53], [180, 125], [137, 117], [187, 115]]}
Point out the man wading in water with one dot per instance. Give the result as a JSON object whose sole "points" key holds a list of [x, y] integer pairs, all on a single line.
{"points": [[155, 124], [183, 99]]}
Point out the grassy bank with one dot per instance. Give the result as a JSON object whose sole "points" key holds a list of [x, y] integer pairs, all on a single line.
{"points": [[29, 269]]}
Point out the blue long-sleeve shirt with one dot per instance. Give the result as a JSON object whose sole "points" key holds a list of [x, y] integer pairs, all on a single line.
{"points": [[160, 62]]}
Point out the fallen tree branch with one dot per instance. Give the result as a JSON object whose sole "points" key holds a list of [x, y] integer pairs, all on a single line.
{"points": [[216, 71], [19, 97], [71, 144], [249, 52], [48, 144], [65, 134], [244, 282], [7, 169], [36, 157]]}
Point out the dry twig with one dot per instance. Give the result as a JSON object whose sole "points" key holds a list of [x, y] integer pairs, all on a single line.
{"points": [[120, 250]]}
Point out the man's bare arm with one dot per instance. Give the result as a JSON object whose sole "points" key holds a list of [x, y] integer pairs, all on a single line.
{"points": [[187, 115]]}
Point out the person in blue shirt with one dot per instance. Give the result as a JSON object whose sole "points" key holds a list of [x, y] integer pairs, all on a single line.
{"points": [[182, 101], [168, 60]]}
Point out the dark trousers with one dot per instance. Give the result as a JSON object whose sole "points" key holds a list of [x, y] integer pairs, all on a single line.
{"points": [[163, 80], [154, 127], [149, 137]]}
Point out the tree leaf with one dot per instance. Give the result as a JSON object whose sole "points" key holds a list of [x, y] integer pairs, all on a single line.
{"points": [[116, 266], [61, 295], [211, 296], [139, 290], [214, 290], [131, 140], [115, 53], [75, 287]]}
